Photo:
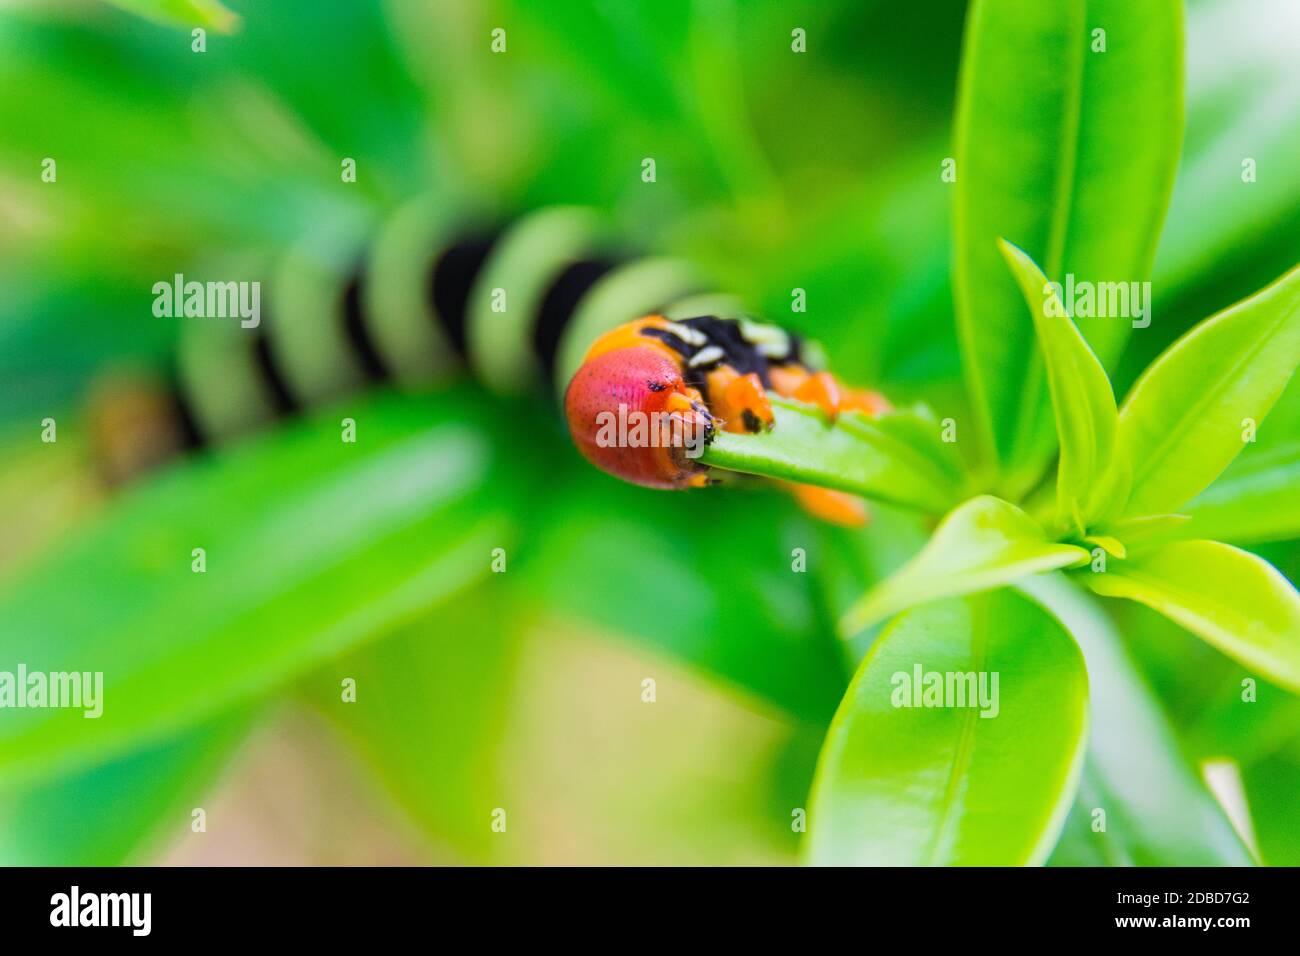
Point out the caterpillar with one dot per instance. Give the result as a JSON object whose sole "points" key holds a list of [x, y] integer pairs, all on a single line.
{"points": [[542, 302], [698, 374]]}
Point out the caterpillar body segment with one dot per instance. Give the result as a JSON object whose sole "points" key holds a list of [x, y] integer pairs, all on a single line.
{"points": [[545, 304], [554, 250]]}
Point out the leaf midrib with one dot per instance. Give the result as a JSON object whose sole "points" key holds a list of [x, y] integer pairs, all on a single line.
{"points": [[965, 744], [971, 360], [1058, 228], [1080, 402], [1191, 414], [1185, 599]]}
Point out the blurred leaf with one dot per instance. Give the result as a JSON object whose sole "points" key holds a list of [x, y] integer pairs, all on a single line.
{"points": [[1145, 531], [184, 13], [1082, 400], [1271, 788], [1157, 810], [1226, 237], [897, 457], [334, 77], [636, 53], [131, 152], [706, 577], [850, 559], [1243, 64], [598, 775], [1258, 497], [1231, 598], [609, 78], [430, 708], [1070, 154], [45, 489], [312, 545], [874, 264], [901, 785], [107, 814], [1219, 706], [1182, 424], [984, 544]]}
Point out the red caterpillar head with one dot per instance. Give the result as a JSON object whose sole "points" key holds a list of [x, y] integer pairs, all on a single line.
{"points": [[632, 415]]}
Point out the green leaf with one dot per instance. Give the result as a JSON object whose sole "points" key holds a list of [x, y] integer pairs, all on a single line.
{"points": [[1112, 546], [1258, 497], [1256, 502], [1070, 153], [1182, 423], [901, 785], [1084, 405], [878, 258], [850, 560], [114, 812], [1231, 598], [985, 543], [897, 457], [1242, 73], [312, 545], [607, 553], [184, 13], [1157, 810], [430, 711], [1146, 531], [1271, 787]]}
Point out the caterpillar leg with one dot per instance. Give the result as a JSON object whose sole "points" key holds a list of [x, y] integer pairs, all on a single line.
{"points": [[821, 389], [740, 401], [827, 392], [866, 401], [836, 507]]}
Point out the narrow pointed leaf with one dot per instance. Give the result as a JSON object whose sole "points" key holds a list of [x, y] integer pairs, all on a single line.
{"points": [[984, 544], [899, 784], [1231, 598], [1082, 400], [1182, 424], [1069, 151]]}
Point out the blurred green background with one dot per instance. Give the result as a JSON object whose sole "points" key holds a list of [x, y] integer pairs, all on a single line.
{"points": [[521, 690]]}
